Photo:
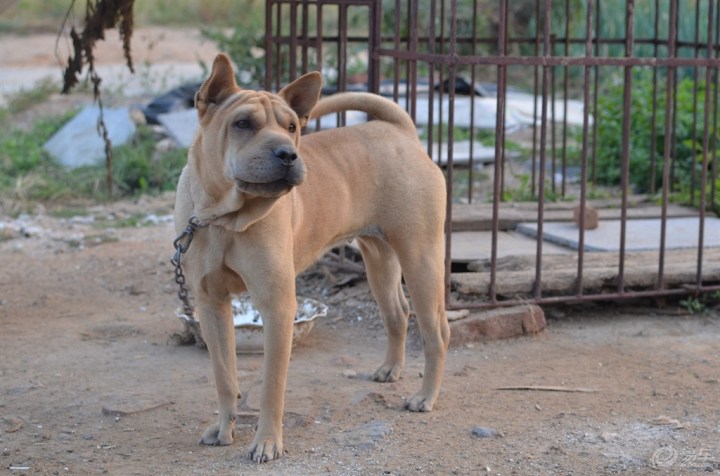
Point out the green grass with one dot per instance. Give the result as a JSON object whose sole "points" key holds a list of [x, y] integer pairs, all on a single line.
{"points": [[29, 173], [26, 98]]}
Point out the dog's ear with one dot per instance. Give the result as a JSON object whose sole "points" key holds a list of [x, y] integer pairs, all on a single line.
{"points": [[218, 86], [302, 95]]}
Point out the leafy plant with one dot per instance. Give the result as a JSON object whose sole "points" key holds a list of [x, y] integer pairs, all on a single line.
{"points": [[693, 305], [21, 152], [646, 156], [27, 172], [245, 45]]}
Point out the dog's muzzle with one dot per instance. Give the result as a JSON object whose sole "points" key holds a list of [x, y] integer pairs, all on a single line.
{"points": [[272, 175]]}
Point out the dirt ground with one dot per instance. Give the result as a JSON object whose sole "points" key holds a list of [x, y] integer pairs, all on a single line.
{"points": [[92, 383]]}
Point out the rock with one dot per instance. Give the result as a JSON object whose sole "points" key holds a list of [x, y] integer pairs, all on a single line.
{"points": [[137, 116], [180, 125], [78, 143], [364, 436], [592, 217], [494, 324], [165, 145], [607, 436], [484, 432], [456, 315], [349, 373]]}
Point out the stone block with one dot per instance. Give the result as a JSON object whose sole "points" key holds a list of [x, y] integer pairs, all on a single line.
{"points": [[78, 142], [592, 217], [501, 323]]}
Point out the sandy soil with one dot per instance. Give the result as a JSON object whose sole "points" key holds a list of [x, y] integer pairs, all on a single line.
{"points": [[92, 383]]}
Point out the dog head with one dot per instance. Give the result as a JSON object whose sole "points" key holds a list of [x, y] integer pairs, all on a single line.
{"points": [[249, 139]]}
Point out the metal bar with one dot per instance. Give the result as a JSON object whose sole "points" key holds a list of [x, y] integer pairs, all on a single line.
{"points": [[625, 153], [705, 149], [319, 45], [396, 63], [584, 159], [553, 121], [342, 52], [375, 16], [714, 199], [293, 41], [473, 79], [431, 94], [693, 172], [268, 44], [543, 138], [567, 299], [653, 118], [566, 79], [450, 167], [441, 86], [669, 113], [278, 49], [673, 120], [499, 149], [305, 19], [536, 82], [504, 89], [596, 81], [412, 65]]}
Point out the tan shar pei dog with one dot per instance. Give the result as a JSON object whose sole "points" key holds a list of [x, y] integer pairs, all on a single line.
{"points": [[273, 202]]}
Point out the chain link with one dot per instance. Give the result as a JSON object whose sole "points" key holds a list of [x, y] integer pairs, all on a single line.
{"points": [[181, 245]]}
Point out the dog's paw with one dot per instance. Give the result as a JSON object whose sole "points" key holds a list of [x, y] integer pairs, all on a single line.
{"points": [[419, 403], [387, 373], [264, 450], [215, 436]]}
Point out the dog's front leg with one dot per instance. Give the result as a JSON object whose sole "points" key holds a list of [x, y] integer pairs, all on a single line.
{"points": [[278, 313], [218, 331]]}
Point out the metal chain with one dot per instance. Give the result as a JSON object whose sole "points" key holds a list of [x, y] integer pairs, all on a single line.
{"points": [[181, 245]]}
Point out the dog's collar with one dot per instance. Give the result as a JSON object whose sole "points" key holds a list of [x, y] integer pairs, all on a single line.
{"points": [[182, 242]]}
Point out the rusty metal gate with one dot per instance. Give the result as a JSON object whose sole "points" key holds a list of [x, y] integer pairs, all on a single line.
{"points": [[545, 116]]}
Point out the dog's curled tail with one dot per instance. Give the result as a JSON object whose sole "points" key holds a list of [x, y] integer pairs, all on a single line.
{"points": [[376, 106]]}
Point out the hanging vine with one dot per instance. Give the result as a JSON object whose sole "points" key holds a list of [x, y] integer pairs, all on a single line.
{"points": [[100, 15]]}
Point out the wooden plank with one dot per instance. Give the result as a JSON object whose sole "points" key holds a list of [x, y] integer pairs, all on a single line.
{"points": [[516, 275]]}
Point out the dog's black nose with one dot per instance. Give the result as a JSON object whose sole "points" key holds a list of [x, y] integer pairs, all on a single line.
{"points": [[286, 154]]}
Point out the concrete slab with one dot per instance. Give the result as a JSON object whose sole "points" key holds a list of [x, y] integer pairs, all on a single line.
{"points": [[468, 246], [641, 235], [78, 143], [180, 125], [481, 154]]}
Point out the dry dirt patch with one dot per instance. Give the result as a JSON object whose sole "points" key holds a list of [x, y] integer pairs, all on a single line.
{"points": [[90, 381]]}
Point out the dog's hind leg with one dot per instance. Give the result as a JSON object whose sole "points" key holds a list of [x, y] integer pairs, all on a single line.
{"points": [[424, 270], [216, 325], [384, 277]]}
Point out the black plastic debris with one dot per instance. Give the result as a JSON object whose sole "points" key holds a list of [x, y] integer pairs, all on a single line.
{"points": [[177, 99]]}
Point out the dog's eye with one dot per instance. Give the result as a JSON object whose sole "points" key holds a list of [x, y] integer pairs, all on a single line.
{"points": [[242, 124], [292, 128]]}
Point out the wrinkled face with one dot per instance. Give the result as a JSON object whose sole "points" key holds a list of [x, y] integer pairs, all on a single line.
{"points": [[250, 139], [261, 135]]}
